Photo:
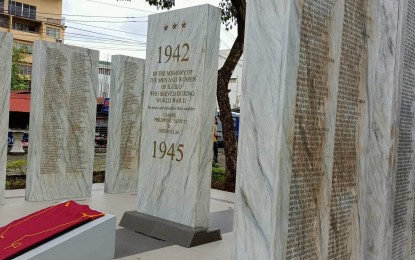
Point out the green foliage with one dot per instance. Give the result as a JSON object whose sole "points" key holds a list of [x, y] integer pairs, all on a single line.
{"points": [[18, 81], [15, 183], [18, 166], [163, 4], [228, 14], [218, 174]]}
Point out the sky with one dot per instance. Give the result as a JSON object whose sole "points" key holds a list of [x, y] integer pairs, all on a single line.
{"points": [[119, 27]]}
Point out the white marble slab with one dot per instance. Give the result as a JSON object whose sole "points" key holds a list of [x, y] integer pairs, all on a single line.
{"points": [[93, 240], [179, 109], [6, 47], [124, 124], [309, 183], [62, 122]]}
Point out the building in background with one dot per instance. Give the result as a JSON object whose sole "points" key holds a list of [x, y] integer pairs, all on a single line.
{"points": [[31, 20], [104, 77]]}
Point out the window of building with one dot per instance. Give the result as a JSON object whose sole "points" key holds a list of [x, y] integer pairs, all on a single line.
{"points": [[104, 71], [26, 48], [53, 32], [24, 27], [1, 6], [25, 69], [22, 10], [4, 21]]}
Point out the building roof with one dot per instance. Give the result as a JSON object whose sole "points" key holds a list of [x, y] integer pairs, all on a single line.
{"points": [[20, 101]]}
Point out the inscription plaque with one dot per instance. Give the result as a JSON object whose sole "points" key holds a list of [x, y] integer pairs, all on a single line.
{"points": [[62, 122], [178, 114], [123, 151]]}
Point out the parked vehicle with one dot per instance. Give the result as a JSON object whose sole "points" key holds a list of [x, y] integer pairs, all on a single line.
{"points": [[235, 117], [100, 141], [10, 138], [25, 140]]}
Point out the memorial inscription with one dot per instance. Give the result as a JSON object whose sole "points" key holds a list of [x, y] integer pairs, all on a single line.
{"points": [[124, 130], [403, 240], [312, 170], [62, 122], [53, 127], [129, 157], [178, 112], [343, 235], [310, 132]]}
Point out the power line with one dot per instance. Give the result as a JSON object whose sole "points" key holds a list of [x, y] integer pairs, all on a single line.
{"points": [[101, 38], [121, 6], [108, 29], [102, 42], [75, 28]]}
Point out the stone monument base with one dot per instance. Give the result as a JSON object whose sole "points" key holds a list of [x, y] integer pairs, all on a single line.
{"points": [[168, 230], [93, 240]]}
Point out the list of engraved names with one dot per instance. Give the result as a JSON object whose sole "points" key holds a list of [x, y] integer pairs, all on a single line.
{"points": [[343, 199], [52, 132], [309, 131], [129, 151]]}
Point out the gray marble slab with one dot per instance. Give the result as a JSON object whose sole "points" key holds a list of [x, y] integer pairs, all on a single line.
{"points": [[124, 124], [6, 47], [326, 162], [62, 122], [178, 114]]}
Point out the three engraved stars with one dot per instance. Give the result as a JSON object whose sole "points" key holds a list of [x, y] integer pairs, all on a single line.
{"points": [[174, 26]]}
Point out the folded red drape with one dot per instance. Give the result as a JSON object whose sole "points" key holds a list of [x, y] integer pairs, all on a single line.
{"points": [[27, 232]]}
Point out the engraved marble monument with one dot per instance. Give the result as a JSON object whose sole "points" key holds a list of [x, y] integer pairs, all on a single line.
{"points": [[62, 122], [6, 47], [178, 114], [124, 129], [327, 172]]}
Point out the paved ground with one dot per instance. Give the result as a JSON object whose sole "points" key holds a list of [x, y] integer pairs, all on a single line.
{"points": [[127, 247]]}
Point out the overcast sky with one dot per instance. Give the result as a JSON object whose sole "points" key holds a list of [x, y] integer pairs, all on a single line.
{"points": [[102, 25]]}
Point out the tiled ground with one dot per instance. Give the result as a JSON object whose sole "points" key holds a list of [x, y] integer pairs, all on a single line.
{"points": [[16, 207]]}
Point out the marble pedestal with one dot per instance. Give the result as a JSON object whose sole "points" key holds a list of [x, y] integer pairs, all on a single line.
{"points": [[93, 240], [6, 47], [17, 148], [62, 122], [325, 165]]}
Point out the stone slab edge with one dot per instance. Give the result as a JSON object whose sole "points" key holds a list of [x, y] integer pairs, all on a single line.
{"points": [[170, 231], [94, 240]]}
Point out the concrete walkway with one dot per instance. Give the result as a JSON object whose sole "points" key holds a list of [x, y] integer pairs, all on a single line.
{"points": [[130, 245]]}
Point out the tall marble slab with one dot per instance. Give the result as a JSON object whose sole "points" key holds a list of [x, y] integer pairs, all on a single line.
{"points": [[6, 48], [178, 115], [62, 122], [325, 166], [124, 124]]}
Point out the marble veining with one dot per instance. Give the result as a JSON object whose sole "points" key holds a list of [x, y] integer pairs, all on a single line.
{"points": [[178, 114], [62, 122], [362, 205], [124, 124], [6, 47]]}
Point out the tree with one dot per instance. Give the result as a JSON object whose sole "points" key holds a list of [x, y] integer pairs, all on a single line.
{"points": [[18, 81], [233, 13]]}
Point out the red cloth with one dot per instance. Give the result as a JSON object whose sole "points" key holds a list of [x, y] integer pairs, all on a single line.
{"points": [[22, 234]]}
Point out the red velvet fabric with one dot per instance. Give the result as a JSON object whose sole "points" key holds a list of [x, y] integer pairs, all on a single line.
{"points": [[22, 234]]}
